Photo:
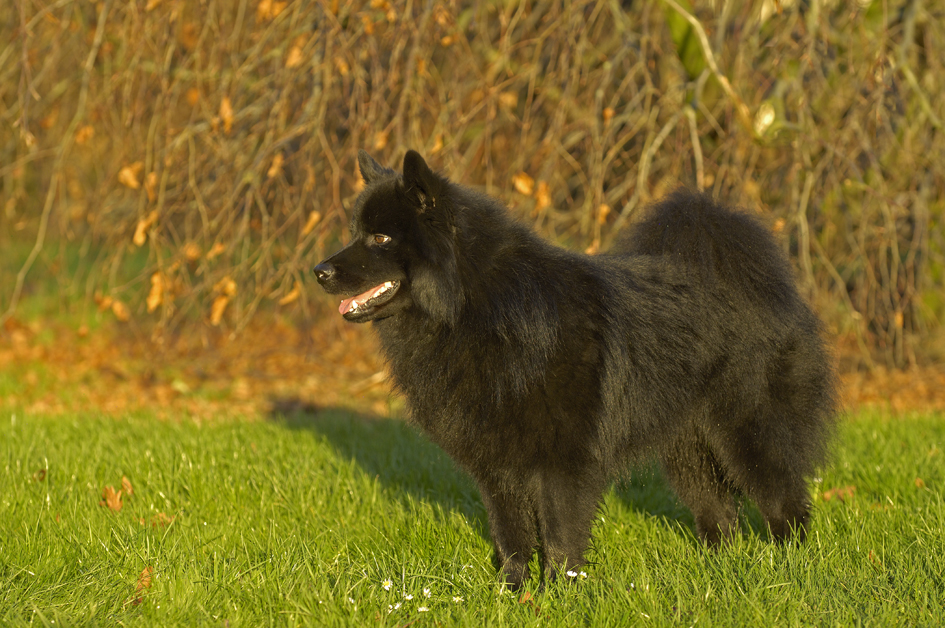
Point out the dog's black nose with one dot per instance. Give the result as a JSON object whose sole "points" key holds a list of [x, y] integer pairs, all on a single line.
{"points": [[324, 272]]}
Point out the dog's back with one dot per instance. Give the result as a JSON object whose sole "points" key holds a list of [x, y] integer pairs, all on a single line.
{"points": [[715, 245]]}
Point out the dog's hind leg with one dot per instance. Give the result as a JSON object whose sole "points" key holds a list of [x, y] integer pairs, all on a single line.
{"points": [[513, 530], [567, 503], [768, 475], [787, 516], [696, 475]]}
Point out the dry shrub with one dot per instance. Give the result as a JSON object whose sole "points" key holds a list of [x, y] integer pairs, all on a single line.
{"points": [[196, 157]]}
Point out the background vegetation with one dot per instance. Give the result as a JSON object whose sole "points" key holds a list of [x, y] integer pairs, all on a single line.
{"points": [[185, 163]]}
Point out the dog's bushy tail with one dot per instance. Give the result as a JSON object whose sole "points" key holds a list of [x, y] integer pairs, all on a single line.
{"points": [[715, 245]]}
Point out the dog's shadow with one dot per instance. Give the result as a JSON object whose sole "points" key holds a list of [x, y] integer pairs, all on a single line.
{"points": [[406, 463], [403, 460]]}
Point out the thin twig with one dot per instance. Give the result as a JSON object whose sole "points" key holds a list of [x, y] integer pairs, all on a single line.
{"points": [[744, 114]]}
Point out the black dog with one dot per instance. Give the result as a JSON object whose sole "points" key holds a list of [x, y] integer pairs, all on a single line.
{"points": [[544, 372]]}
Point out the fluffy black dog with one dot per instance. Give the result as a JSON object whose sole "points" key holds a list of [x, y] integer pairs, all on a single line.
{"points": [[543, 372]]}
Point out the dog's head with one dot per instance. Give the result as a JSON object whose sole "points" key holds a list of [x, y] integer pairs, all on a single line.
{"points": [[402, 249]]}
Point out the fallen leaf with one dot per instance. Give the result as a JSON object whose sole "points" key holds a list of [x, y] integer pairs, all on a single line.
{"points": [[843, 494], [919, 483], [268, 9], [276, 168], [84, 134], [111, 498], [104, 302], [294, 58], [150, 185], [226, 114], [508, 100], [128, 176], [227, 288], [193, 96], [523, 183], [152, 4], [602, 212], [380, 140], [126, 486], [542, 197], [226, 285], [292, 296], [141, 231], [764, 118], [313, 219], [191, 252], [528, 599], [144, 579], [608, 115], [442, 15], [144, 583], [120, 310], [217, 309], [159, 520], [215, 250]]}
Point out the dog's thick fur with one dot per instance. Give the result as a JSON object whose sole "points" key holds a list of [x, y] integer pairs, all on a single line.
{"points": [[544, 372]]}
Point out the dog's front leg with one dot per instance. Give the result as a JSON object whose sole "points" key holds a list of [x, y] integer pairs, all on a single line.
{"points": [[513, 530], [567, 503]]}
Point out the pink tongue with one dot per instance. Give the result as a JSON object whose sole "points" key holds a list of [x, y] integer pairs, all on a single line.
{"points": [[345, 306]]}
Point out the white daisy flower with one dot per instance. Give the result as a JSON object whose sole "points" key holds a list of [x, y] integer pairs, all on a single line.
{"points": [[457, 599], [422, 609], [426, 593], [387, 584], [572, 574], [407, 596]]}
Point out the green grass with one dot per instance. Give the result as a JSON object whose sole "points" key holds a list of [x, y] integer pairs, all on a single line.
{"points": [[301, 521]]}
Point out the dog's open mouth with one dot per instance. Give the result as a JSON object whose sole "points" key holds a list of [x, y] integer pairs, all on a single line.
{"points": [[368, 301]]}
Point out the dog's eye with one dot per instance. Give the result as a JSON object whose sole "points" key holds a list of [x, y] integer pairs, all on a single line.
{"points": [[380, 238]]}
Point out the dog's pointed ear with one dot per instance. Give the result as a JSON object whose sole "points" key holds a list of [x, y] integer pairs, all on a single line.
{"points": [[420, 182], [371, 171]]}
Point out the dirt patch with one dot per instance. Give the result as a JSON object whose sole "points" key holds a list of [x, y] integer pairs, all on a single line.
{"points": [[275, 363]]}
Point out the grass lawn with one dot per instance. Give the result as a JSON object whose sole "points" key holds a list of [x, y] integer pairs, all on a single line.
{"points": [[339, 519]]}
